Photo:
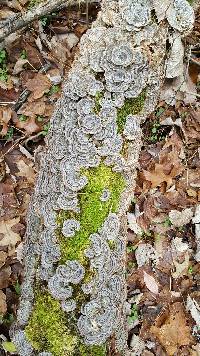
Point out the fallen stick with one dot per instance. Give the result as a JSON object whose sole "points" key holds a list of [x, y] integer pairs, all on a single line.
{"points": [[21, 20]]}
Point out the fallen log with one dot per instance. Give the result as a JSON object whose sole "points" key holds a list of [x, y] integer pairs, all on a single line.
{"points": [[23, 19], [74, 290]]}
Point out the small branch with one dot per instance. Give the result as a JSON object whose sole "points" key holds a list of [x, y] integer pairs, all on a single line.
{"points": [[21, 20]]}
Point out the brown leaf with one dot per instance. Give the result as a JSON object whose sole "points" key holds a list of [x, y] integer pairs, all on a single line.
{"points": [[8, 95], [29, 125], [32, 109], [151, 283], [9, 202], [26, 171], [39, 85], [5, 13], [15, 4], [3, 305], [174, 331], [3, 256], [5, 273], [5, 116], [19, 65], [8, 237], [158, 176], [33, 55]]}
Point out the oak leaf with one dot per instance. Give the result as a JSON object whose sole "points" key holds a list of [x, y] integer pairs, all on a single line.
{"points": [[39, 85], [9, 238], [174, 331], [158, 176]]}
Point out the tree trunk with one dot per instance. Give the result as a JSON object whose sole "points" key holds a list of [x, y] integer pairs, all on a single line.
{"points": [[74, 289]]}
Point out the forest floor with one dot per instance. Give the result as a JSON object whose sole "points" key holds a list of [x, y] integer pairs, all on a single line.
{"points": [[163, 273]]}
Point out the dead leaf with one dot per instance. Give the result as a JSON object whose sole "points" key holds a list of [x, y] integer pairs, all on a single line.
{"points": [[33, 55], [158, 176], [5, 13], [26, 170], [5, 116], [39, 85], [3, 305], [9, 202], [174, 65], [181, 268], [174, 332], [32, 109], [19, 65], [3, 256], [5, 273], [150, 283], [9, 238], [180, 218], [144, 253], [132, 223], [15, 4]]}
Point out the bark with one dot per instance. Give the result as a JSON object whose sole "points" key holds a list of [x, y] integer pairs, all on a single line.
{"points": [[74, 290], [21, 20]]}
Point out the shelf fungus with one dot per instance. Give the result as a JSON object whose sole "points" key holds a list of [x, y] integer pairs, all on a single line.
{"points": [[73, 300]]}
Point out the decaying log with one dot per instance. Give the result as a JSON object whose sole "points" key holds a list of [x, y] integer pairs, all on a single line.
{"points": [[74, 289], [21, 20]]}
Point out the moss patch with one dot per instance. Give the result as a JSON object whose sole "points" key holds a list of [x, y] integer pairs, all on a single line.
{"points": [[131, 107], [92, 350], [47, 328], [93, 210], [97, 99]]}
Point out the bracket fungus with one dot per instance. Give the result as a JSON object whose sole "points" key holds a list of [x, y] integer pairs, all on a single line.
{"points": [[74, 291]]}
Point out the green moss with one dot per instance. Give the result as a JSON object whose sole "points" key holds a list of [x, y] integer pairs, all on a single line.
{"points": [[130, 107], [47, 328], [92, 350], [97, 99], [93, 210]]}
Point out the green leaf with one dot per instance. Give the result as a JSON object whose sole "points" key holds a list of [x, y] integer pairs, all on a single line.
{"points": [[40, 118], [23, 118], [23, 54], [9, 346], [159, 112], [54, 89], [17, 288], [9, 133], [3, 56]]}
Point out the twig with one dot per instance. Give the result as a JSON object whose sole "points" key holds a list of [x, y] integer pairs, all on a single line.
{"points": [[195, 61], [21, 20]]}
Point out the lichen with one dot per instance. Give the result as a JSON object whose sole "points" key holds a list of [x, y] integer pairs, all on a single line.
{"points": [[131, 107], [93, 210]]}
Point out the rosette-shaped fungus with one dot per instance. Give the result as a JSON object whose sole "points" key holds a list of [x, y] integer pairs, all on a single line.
{"points": [[70, 227], [97, 322], [22, 344], [180, 15], [135, 14]]}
